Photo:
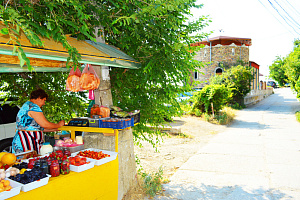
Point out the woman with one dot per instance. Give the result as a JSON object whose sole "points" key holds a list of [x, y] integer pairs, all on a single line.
{"points": [[31, 123]]}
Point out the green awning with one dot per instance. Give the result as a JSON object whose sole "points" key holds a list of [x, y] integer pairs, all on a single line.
{"points": [[11, 68], [94, 53]]}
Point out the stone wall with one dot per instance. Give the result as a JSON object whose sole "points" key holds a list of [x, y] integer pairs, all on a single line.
{"points": [[256, 96], [227, 55], [127, 165]]}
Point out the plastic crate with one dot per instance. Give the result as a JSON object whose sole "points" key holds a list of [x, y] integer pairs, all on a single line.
{"points": [[117, 125], [129, 123], [136, 118]]}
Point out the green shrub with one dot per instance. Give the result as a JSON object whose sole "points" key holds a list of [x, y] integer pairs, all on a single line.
{"points": [[216, 95], [238, 79], [152, 182], [298, 116]]}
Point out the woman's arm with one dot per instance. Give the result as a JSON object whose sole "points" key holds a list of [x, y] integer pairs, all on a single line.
{"points": [[43, 122], [50, 130]]}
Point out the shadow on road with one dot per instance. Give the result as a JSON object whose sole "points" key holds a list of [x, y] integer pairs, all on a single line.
{"points": [[248, 125], [210, 192]]}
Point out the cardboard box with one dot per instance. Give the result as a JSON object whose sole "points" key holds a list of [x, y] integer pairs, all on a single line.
{"points": [[58, 137]]}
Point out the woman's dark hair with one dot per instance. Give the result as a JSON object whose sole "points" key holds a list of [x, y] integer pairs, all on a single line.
{"points": [[39, 93]]}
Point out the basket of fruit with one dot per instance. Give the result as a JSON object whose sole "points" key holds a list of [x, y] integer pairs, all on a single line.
{"points": [[9, 189], [98, 156], [79, 164]]}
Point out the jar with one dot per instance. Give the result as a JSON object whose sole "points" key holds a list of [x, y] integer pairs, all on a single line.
{"points": [[59, 153], [67, 152], [31, 163], [44, 166], [37, 164], [65, 167], [46, 148], [54, 168]]}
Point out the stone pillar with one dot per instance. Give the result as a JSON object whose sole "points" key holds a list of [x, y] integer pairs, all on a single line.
{"points": [[127, 165], [103, 93]]}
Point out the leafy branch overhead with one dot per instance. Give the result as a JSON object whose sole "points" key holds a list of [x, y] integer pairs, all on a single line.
{"points": [[157, 33], [44, 19]]}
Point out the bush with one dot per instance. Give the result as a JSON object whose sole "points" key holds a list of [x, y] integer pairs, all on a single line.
{"points": [[298, 116], [152, 182], [238, 79], [216, 95]]}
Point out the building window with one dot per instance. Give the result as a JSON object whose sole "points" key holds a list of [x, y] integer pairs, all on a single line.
{"points": [[196, 75], [232, 51], [219, 71], [205, 53]]}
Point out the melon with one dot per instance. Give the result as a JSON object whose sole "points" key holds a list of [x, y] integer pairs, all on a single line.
{"points": [[8, 159]]}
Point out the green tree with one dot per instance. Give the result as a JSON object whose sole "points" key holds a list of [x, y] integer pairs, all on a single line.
{"points": [[45, 18], [238, 79], [292, 67], [277, 71], [61, 104], [211, 95], [156, 33]]}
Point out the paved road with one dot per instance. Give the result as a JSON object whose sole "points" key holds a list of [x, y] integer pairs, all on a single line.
{"points": [[257, 157]]}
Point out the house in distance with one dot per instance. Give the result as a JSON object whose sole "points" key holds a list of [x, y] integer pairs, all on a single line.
{"points": [[220, 53]]}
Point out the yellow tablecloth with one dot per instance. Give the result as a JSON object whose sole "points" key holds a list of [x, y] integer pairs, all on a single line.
{"points": [[100, 182]]}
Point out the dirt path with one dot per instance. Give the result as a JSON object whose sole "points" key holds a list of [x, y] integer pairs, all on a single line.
{"points": [[175, 150]]}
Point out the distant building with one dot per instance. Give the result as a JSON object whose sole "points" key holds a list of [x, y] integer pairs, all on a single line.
{"points": [[220, 53]]}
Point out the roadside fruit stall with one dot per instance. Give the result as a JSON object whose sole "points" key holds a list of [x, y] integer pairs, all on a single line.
{"points": [[87, 176], [63, 172], [71, 170]]}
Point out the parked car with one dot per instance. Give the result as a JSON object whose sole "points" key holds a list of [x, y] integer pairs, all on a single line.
{"points": [[272, 84], [8, 115]]}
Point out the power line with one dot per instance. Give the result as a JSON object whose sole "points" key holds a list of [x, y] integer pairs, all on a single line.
{"points": [[274, 16], [287, 13], [282, 16], [295, 10], [293, 7]]}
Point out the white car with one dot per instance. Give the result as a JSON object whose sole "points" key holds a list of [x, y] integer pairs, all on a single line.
{"points": [[8, 115]]}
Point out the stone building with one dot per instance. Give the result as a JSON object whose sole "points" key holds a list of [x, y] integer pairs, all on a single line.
{"points": [[220, 53]]}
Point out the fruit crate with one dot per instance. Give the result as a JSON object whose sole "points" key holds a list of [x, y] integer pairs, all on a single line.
{"points": [[117, 125], [33, 185], [136, 118], [84, 167], [16, 188], [113, 156]]}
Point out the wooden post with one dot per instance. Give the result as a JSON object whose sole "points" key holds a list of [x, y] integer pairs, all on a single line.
{"points": [[103, 93], [212, 108]]}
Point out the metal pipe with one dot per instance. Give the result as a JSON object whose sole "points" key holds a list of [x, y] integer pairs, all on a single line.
{"points": [[209, 49]]}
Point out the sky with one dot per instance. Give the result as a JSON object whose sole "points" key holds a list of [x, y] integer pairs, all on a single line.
{"points": [[271, 34]]}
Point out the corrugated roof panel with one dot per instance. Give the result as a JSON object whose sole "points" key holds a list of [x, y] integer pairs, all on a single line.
{"points": [[91, 52]]}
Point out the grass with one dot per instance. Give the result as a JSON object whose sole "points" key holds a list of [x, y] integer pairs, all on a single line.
{"points": [[224, 117], [151, 182], [298, 116]]}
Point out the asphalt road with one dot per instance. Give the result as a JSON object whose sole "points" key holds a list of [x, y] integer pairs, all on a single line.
{"points": [[257, 157]]}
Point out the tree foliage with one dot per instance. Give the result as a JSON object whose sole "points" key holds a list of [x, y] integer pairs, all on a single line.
{"points": [[211, 95], [238, 79], [292, 67], [278, 71], [61, 104], [156, 33], [45, 18]]}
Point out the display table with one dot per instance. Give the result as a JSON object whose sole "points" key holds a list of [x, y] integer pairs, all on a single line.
{"points": [[105, 131], [100, 182]]}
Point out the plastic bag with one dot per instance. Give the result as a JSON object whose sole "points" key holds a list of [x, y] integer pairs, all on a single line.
{"points": [[73, 80], [89, 80], [104, 111]]}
